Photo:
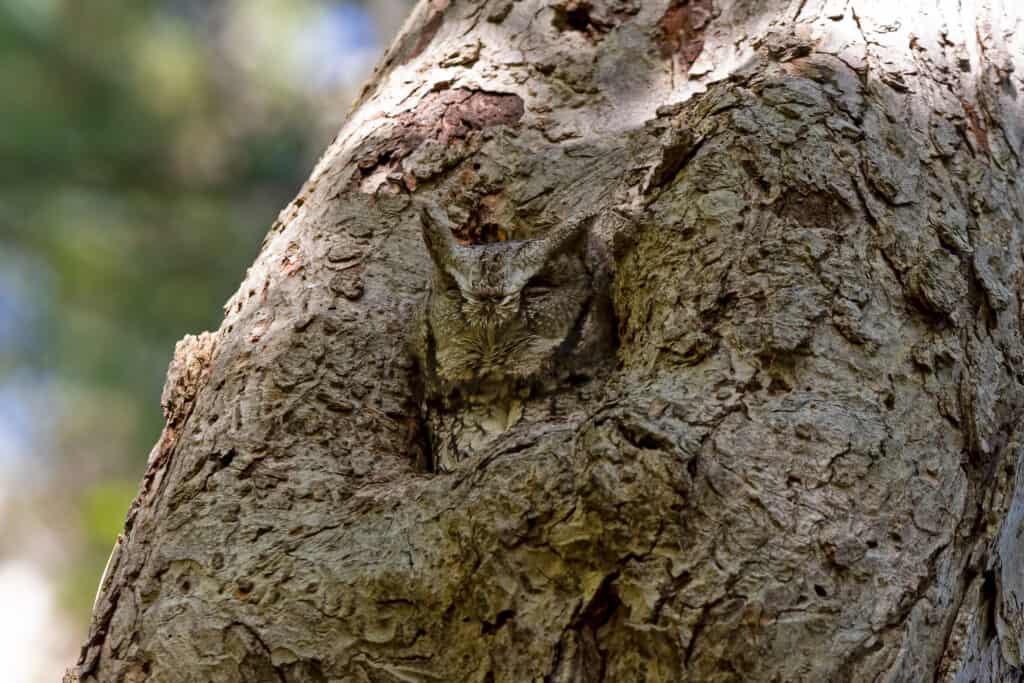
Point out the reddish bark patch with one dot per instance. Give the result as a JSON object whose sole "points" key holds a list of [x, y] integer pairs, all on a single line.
{"points": [[682, 30], [446, 116], [453, 118], [978, 130], [450, 114]]}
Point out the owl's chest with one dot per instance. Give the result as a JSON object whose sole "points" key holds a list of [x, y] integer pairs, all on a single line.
{"points": [[483, 352]]}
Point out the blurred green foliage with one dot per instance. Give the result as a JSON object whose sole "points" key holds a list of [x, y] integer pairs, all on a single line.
{"points": [[122, 175], [143, 155]]}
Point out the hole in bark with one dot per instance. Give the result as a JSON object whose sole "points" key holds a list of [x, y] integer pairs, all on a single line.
{"points": [[245, 587], [890, 401], [649, 442], [601, 608], [578, 18], [226, 458], [490, 233], [598, 612], [419, 445], [146, 668], [186, 586], [500, 620], [872, 543], [691, 467], [820, 590], [311, 671], [641, 438], [574, 16], [989, 596], [577, 379]]}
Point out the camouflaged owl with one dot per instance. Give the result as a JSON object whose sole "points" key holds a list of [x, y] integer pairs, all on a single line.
{"points": [[500, 314]]}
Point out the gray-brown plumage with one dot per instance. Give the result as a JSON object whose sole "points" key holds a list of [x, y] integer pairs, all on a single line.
{"points": [[500, 314]]}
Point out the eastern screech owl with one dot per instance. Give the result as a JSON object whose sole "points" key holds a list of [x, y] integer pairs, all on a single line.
{"points": [[500, 315]]}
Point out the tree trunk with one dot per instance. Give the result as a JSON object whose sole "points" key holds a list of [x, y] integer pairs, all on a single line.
{"points": [[803, 461]]}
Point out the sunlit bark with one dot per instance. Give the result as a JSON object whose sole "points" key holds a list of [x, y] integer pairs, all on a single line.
{"points": [[805, 464]]}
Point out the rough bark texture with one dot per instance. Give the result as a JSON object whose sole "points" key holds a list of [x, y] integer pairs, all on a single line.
{"points": [[806, 464]]}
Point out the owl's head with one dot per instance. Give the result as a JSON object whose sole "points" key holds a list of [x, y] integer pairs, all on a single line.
{"points": [[493, 280]]}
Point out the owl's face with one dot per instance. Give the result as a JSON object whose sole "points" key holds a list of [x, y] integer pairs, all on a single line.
{"points": [[502, 310], [489, 281]]}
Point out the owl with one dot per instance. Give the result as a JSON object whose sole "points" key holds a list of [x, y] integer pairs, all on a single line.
{"points": [[500, 315]]}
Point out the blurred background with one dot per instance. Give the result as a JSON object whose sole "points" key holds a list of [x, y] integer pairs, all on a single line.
{"points": [[145, 148]]}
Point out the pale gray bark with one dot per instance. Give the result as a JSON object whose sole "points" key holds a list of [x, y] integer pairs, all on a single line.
{"points": [[806, 465]]}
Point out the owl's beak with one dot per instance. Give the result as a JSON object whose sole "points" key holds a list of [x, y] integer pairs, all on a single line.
{"points": [[493, 311]]}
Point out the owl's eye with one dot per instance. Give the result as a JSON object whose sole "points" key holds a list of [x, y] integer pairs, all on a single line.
{"points": [[536, 290], [539, 286]]}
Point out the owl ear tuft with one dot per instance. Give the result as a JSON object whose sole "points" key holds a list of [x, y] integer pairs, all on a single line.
{"points": [[536, 254], [568, 235], [437, 234]]}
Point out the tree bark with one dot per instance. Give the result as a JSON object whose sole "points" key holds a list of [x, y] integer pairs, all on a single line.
{"points": [[805, 464]]}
